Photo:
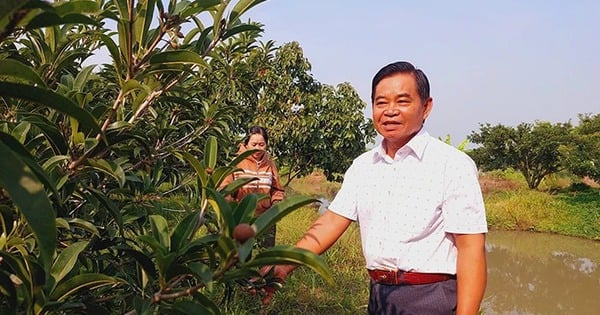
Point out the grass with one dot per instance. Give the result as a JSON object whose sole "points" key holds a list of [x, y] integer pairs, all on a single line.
{"points": [[307, 293], [561, 205]]}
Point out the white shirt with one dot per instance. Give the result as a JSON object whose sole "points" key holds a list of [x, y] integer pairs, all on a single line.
{"points": [[407, 207]]}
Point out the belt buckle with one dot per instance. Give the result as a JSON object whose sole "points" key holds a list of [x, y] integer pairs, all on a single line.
{"points": [[399, 277], [393, 277]]}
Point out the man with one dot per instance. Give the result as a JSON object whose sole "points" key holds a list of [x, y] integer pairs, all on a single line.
{"points": [[419, 206]]}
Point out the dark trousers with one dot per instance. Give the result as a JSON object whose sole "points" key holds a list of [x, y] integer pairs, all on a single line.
{"points": [[268, 239], [422, 299]]}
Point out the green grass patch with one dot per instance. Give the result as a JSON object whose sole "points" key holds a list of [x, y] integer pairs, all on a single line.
{"points": [[305, 292], [562, 205]]}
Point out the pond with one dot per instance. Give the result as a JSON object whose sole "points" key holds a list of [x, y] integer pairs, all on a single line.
{"points": [[535, 273]]}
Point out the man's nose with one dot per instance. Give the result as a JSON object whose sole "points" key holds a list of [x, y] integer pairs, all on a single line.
{"points": [[391, 110]]}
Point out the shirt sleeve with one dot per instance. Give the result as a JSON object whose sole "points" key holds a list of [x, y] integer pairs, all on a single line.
{"points": [[463, 207], [345, 201]]}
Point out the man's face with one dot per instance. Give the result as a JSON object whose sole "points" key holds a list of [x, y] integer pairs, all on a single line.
{"points": [[398, 111]]}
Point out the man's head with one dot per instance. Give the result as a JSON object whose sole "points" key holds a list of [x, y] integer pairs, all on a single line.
{"points": [[401, 103], [402, 67]]}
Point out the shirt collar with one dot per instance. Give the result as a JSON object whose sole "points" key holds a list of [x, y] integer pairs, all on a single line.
{"points": [[416, 146]]}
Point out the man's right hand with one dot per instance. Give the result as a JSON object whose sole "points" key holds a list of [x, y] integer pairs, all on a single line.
{"points": [[279, 274]]}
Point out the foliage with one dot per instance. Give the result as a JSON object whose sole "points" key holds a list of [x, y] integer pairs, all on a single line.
{"points": [[310, 125], [88, 157], [582, 153], [532, 149], [462, 146], [313, 125]]}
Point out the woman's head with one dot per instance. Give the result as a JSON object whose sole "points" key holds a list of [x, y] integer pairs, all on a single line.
{"points": [[257, 139]]}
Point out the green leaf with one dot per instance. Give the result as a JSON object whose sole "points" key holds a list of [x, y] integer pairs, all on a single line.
{"points": [[16, 265], [85, 225], [196, 7], [201, 270], [246, 249], [204, 40], [160, 230], [199, 244], [110, 207], [66, 260], [52, 162], [29, 195], [113, 50], [20, 131], [144, 261], [8, 7], [178, 57], [210, 152], [83, 77], [19, 70], [283, 254], [240, 8], [184, 231], [8, 291], [198, 167], [88, 281], [51, 132], [244, 211], [29, 160], [241, 28], [191, 307], [280, 210], [236, 184], [51, 99], [226, 249], [133, 85], [223, 212], [143, 20], [46, 19], [110, 168], [7, 11], [242, 156], [220, 173], [79, 6]]}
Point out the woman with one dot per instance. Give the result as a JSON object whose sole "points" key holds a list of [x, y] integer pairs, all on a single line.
{"points": [[258, 165]]}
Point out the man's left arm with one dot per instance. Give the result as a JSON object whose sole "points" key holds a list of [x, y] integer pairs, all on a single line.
{"points": [[471, 272]]}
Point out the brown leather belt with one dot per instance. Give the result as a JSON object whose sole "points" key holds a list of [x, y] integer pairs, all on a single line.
{"points": [[400, 277]]}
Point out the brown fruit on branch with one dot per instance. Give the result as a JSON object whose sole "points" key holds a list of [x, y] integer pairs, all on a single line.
{"points": [[243, 231]]}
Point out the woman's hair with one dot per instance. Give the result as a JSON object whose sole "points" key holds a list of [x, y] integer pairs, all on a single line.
{"points": [[257, 130]]}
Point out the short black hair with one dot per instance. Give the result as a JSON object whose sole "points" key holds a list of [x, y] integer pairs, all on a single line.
{"points": [[403, 67], [257, 130]]}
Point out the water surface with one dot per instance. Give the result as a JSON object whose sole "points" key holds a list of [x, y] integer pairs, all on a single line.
{"points": [[538, 273]]}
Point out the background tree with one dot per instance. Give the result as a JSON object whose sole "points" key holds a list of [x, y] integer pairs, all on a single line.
{"points": [[582, 153], [532, 149], [311, 125]]}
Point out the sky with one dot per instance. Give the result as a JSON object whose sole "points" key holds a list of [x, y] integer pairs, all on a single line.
{"points": [[498, 62]]}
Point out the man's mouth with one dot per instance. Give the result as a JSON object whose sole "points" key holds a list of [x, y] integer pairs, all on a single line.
{"points": [[391, 124]]}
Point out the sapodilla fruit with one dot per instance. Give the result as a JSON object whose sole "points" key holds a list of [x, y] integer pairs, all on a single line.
{"points": [[243, 231]]}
